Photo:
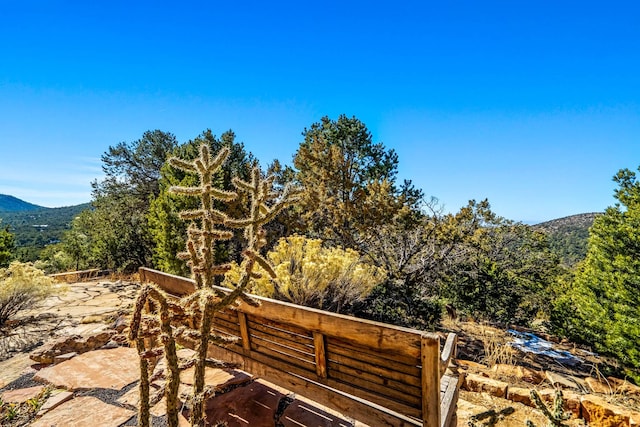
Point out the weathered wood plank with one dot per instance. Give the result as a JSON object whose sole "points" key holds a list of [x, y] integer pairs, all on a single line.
{"points": [[362, 382], [448, 352], [368, 333], [387, 361], [382, 381], [448, 401], [303, 340], [414, 379], [320, 355], [430, 381], [259, 347], [282, 347], [351, 365], [173, 284], [366, 412], [244, 332]]}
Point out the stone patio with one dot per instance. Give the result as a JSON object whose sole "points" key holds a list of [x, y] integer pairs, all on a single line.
{"points": [[99, 387]]}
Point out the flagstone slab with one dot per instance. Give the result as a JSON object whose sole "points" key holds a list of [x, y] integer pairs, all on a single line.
{"points": [[56, 399], [217, 377], [113, 369], [21, 395], [85, 412]]}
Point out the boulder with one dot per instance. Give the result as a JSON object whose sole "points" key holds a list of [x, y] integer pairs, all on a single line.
{"points": [[562, 381], [468, 364], [518, 372], [479, 384], [521, 395], [598, 412], [70, 344]]}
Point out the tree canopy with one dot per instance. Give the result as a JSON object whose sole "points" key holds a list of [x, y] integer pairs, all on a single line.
{"points": [[7, 246], [166, 228], [350, 181], [602, 307]]}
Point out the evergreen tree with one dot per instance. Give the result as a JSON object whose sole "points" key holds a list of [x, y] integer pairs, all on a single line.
{"points": [[116, 228], [167, 229], [350, 182], [603, 306], [7, 246]]}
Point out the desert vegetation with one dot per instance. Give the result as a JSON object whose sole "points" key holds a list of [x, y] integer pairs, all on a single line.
{"points": [[358, 241]]}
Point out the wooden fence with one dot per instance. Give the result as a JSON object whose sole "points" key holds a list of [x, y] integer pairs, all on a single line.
{"points": [[379, 374]]}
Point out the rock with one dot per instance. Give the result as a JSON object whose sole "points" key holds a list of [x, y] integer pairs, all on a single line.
{"points": [[64, 357], [479, 384], [55, 400], [519, 372], [121, 323], [597, 412], [521, 395], [112, 369], [623, 386], [466, 410], [160, 409], [571, 399], [219, 378], [468, 364], [70, 344], [21, 395], [559, 380], [597, 386], [85, 412]]}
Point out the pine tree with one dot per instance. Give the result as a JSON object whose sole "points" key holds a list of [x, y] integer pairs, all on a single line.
{"points": [[349, 181], [603, 307], [7, 246]]}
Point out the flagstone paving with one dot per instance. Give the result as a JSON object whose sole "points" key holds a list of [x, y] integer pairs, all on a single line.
{"points": [[85, 411], [113, 369], [22, 394], [97, 387]]}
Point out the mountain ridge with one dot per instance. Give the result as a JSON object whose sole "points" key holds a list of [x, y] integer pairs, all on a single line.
{"points": [[10, 203]]}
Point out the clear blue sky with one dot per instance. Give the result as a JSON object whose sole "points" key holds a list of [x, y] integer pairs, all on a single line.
{"points": [[532, 104]]}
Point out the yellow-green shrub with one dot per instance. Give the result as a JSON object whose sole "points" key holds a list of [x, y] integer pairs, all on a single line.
{"points": [[21, 287], [312, 275]]}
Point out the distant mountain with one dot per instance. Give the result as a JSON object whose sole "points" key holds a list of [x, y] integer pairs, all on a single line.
{"points": [[35, 227], [13, 204], [568, 236]]}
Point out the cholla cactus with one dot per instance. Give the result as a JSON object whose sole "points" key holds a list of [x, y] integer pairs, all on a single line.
{"points": [[558, 416], [203, 234]]}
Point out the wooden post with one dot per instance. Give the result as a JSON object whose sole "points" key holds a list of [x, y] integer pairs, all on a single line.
{"points": [[321, 355], [244, 332], [430, 358]]}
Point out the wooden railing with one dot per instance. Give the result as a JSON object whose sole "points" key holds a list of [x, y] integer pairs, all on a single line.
{"points": [[379, 374]]}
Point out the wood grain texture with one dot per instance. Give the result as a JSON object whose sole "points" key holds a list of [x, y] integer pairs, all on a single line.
{"points": [[379, 374]]}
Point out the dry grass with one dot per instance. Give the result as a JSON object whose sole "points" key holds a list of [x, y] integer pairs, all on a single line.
{"points": [[496, 347]]}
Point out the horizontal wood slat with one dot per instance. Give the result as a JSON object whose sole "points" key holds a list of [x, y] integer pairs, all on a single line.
{"points": [[362, 332], [368, 370]]}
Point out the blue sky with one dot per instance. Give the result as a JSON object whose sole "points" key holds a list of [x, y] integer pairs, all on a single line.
{"points": [[532, 104]]}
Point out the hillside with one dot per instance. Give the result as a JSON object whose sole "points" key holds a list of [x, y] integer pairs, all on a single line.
{"points": [[568, 236], [34, 226], [13, 204]]}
